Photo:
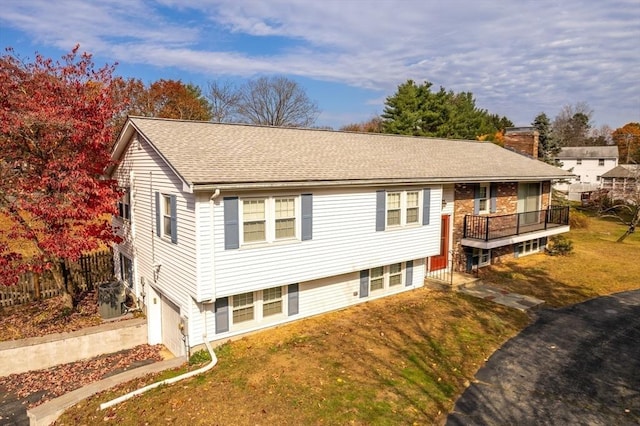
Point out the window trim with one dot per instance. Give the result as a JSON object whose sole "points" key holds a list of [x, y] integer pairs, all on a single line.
{"points": [[403, 208], [161, 216], [533, 246], [386, 278], [479, 254], [124, 204], [257, 306], [270, 219], [486, 198], [126, 271]]}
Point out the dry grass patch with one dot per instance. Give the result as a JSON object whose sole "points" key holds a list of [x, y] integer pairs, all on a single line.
{"points": [[598, 266], [397, 360]]}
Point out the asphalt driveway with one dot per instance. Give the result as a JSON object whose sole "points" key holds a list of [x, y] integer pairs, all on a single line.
{"points": [[578, 365]]}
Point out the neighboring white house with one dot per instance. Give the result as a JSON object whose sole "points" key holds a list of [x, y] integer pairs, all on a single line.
{"points": [[588, 164], [233, 228]]}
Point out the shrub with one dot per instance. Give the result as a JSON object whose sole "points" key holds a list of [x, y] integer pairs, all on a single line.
{"points": [[560, 246], [578, 220]]}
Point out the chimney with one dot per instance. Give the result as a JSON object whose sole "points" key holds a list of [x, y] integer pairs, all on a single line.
{"points": [[523, 140]]}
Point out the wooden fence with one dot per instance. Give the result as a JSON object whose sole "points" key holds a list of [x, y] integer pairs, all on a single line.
{"points": [[84, 275]]}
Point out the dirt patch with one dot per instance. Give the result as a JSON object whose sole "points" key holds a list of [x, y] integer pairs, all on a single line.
{"points": [[396, 360]]}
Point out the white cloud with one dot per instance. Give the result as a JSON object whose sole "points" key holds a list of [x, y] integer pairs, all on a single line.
{"points": [[518, 58]]}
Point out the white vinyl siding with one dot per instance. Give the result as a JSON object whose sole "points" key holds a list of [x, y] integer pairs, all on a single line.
{"points": [[315, 297], [171, 268], [344, 240]]}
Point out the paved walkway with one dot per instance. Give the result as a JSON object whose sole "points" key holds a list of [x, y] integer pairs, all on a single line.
{"points": [[578, 365], [502, 297], [13, 410]]}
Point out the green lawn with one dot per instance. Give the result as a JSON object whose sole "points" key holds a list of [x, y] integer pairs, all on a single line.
{"points": [[400, 360], [597, 266]]}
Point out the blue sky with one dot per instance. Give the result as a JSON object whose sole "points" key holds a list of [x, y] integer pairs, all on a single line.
{"points": [[518, 58]]}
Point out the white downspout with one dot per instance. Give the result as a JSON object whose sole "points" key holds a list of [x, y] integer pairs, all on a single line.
{"points": [[214, 361]]}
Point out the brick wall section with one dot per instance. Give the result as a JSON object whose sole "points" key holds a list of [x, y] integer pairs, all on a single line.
{"points": [[506, 203], [523, 141]]}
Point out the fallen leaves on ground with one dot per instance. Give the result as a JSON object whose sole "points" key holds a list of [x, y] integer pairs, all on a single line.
{"points": [[47, 317], [57, 381]]}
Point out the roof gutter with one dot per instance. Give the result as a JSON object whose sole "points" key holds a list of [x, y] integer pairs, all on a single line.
{"points": [[365, 182]]}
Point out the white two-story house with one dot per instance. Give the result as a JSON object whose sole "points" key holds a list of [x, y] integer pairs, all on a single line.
{"points": [[230, 228], [588, 164]]}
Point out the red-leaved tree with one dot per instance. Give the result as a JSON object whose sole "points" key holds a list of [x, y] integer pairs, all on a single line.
{"points": [[55, 144]]}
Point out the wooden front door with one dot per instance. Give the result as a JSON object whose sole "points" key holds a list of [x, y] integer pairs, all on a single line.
{"points": [[440, 262]]}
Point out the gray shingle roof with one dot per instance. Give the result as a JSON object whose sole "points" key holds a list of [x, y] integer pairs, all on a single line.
{"points": [[588, 152], [212, 153], [623, 171]]}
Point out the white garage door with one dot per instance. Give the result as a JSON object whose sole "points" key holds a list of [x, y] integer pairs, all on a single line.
{"points": [[171, 335]]}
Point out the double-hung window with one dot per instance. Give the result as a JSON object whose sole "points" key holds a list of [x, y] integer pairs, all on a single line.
{"points": [[376, 278], [124, 205], [285, 217], [257, 306], [254, 220], [271, 301], [413, 207], [403, 208], [269, 219], [166, 217], [483, 199], [382, 277], [394, 208], [243, 309], [395, 274]]}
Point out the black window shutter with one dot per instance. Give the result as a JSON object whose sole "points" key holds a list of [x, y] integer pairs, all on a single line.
{"points": [[380, 209], [307, 216], [174, 219], [292, 294], [409, 273], [364, 283], [222, 315], [426, 205], [231, 226]]}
